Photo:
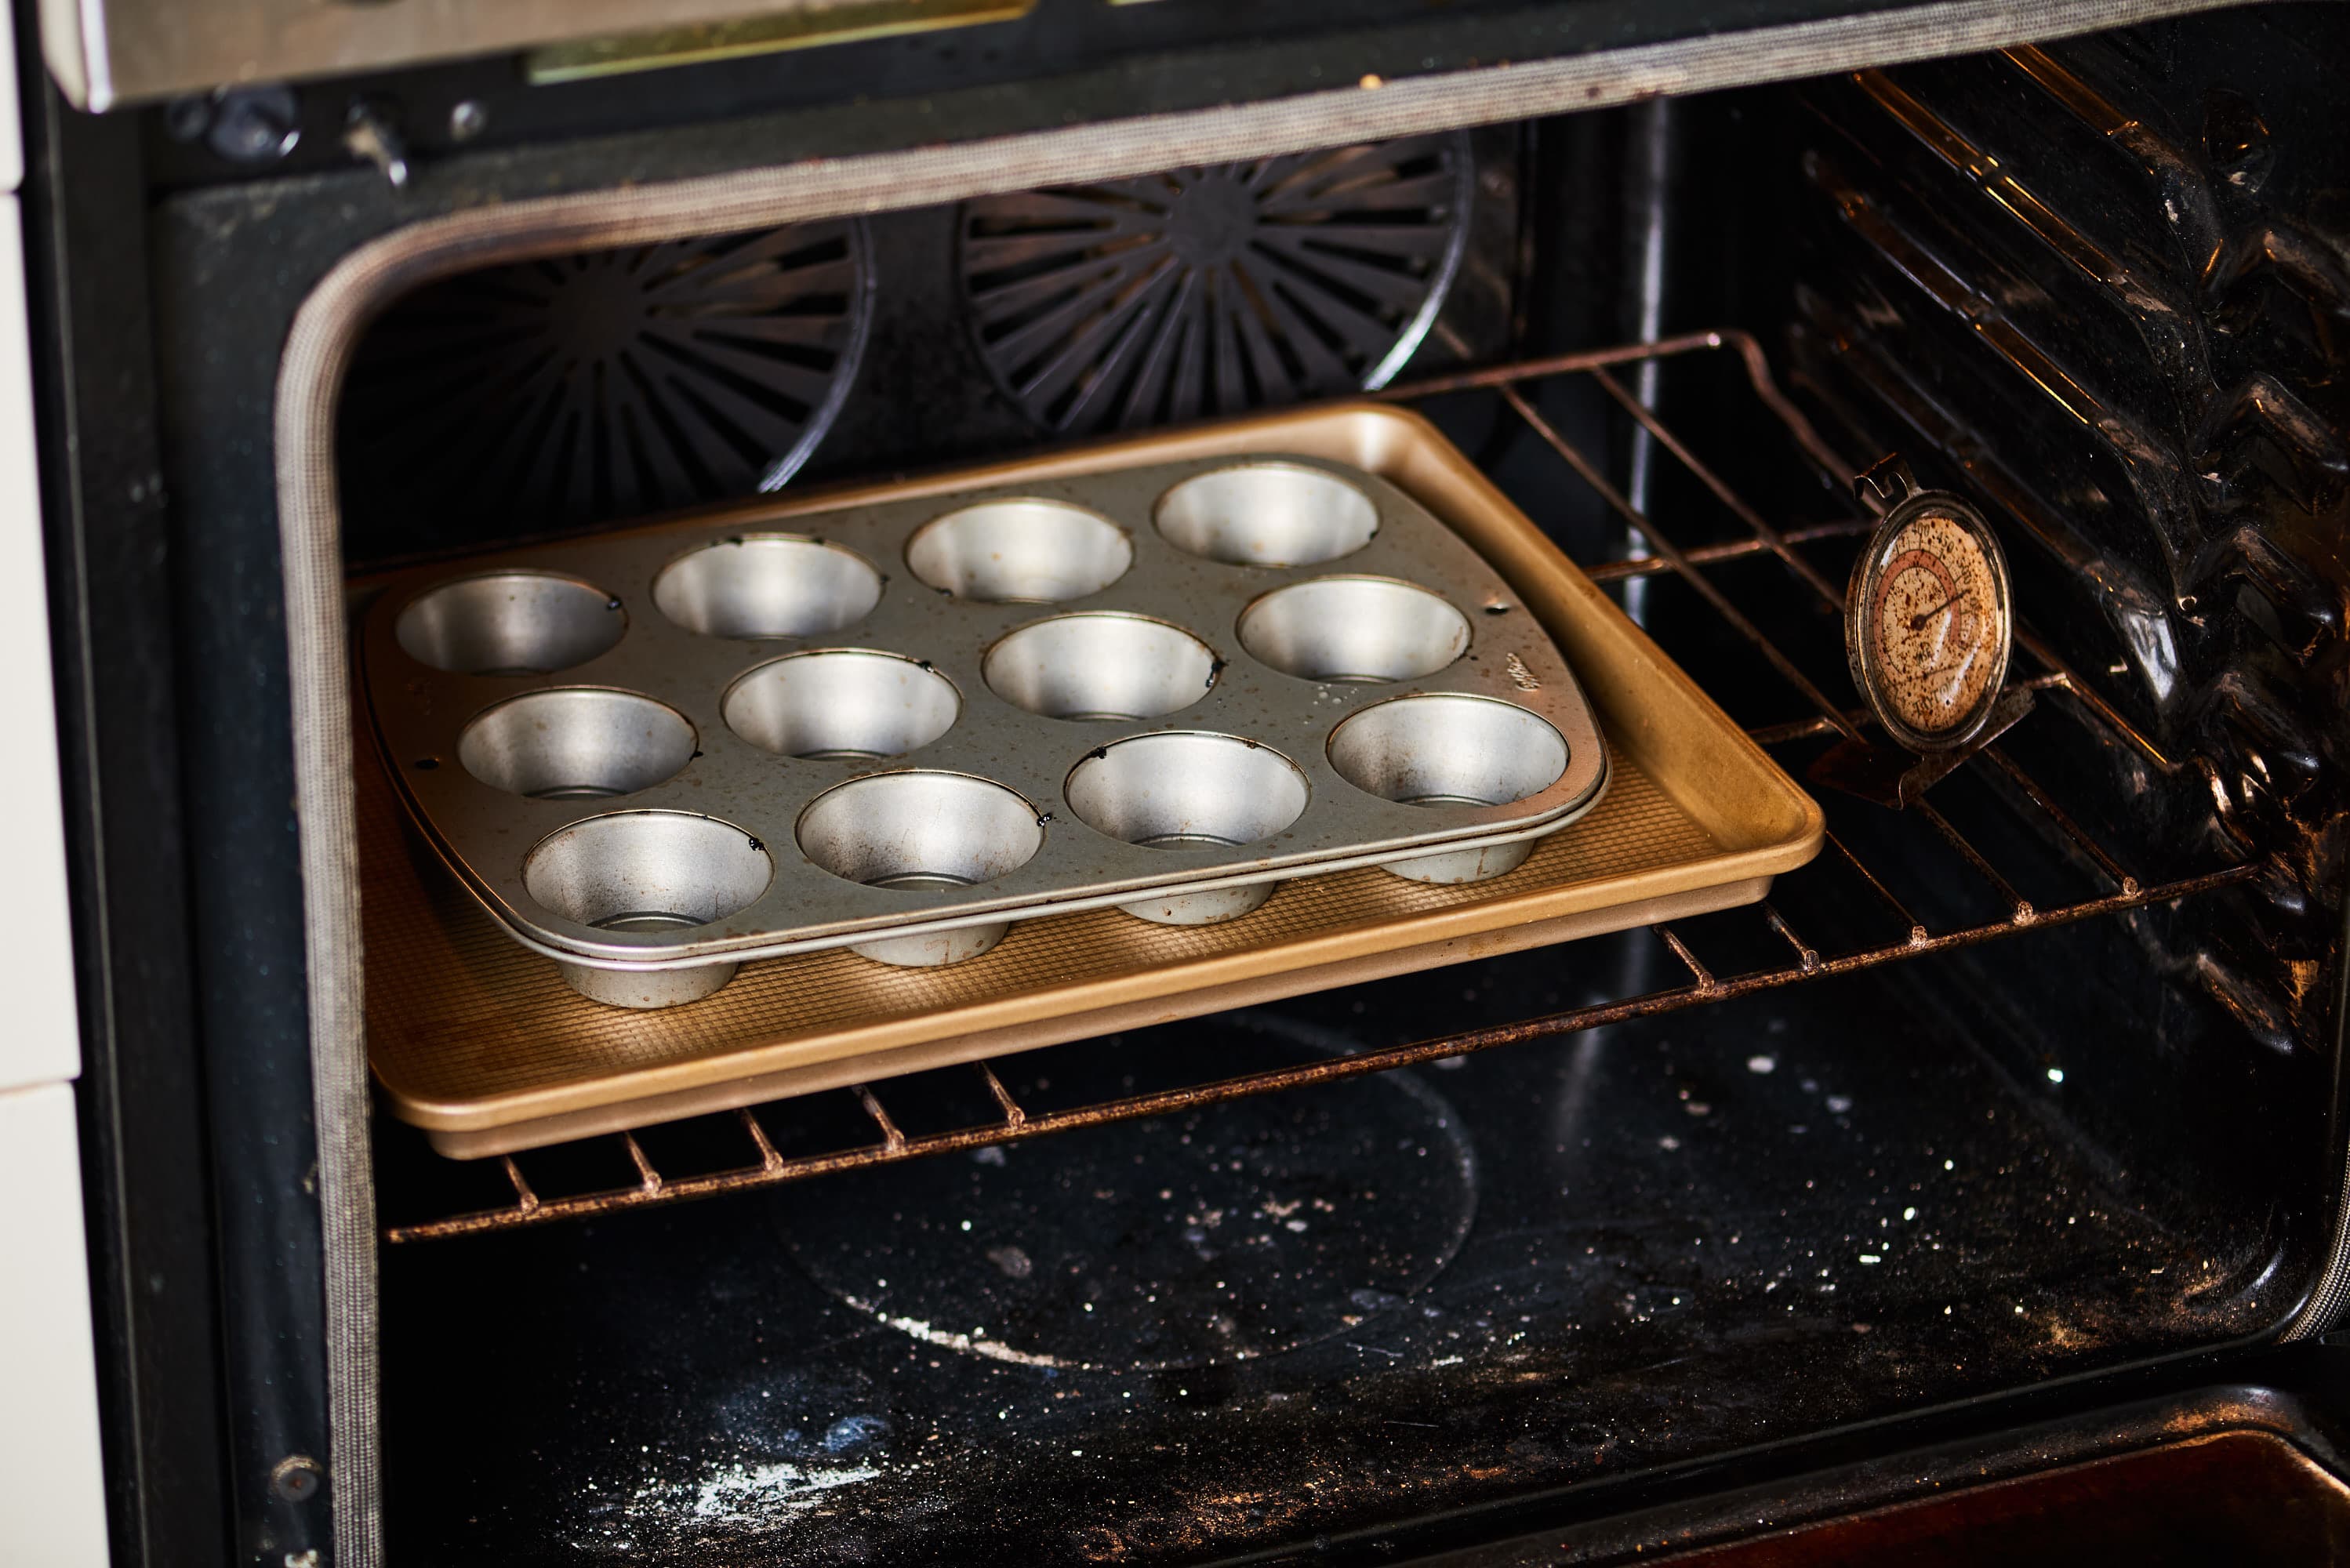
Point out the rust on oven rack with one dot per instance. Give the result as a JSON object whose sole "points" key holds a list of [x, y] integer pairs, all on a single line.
{"points": [[1729, 550], [526, 1200], [770, 1159], [1012, 1115], [1808, 958], [2057, 815], [648, 1181], [893, 1140], [1698, 974], [1590, 473], [1331, 1070], [768, 1166], [1916, 927]]}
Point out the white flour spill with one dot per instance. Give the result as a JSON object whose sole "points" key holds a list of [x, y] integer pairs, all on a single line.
{"points": [[970, 1344], [737, 1497]]}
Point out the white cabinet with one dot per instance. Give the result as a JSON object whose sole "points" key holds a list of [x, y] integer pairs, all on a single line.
{"points": [[40, 1043], [52, 1489], [52, 1501]]}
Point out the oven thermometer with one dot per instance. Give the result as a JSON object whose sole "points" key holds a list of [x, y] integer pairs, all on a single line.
{"points": [[1928, 626]]}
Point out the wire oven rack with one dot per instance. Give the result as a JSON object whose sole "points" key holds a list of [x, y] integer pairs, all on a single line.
{"points": [[762, 1164]]}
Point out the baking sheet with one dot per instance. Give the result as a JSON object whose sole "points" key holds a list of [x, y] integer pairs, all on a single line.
{"points": [[479, 1042]]}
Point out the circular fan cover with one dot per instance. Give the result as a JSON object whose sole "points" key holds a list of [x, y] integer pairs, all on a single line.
{"points": [[549, 394], [1211, 291]]}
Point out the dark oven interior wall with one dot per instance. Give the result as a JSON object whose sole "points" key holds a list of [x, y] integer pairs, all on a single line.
{"points": [[552, 397], [2103, 284], [2127, 342]]}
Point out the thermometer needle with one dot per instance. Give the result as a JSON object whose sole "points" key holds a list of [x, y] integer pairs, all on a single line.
{"points": [[1919, 621]]}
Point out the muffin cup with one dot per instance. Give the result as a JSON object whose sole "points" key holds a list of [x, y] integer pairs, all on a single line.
{"points": [[510, 623], [1101, 665], [648, 871], [1020, 552], [1354, 631], [645, 989], [576, 742], [1182, 790], [1451, 749], [1266, 514], [841, 704], [767, 585]]}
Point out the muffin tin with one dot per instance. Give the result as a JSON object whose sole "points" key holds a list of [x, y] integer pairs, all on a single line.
{"points": [[901, 725]]}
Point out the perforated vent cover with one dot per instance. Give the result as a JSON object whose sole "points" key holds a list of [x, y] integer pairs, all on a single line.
{"points": [[1214, 290], [552, 394]]}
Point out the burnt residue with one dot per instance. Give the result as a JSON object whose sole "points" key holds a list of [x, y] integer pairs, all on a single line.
{"points": [[1215, 1238], [1674, 1239]]}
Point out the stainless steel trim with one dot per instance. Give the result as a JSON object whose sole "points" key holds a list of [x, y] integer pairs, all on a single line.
{"points": [[109, 52]]}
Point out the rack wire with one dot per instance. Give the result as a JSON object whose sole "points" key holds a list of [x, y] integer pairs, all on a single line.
{"points": [[765, 1166]]}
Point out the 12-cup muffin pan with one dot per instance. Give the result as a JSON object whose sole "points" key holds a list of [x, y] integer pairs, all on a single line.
{"points": [[901, 725]]}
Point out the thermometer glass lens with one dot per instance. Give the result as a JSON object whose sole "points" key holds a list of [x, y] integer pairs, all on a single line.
{"points": [[1933, 612]]}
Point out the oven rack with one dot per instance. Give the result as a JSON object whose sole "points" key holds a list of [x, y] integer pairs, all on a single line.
{"points": [[1520, 387]]}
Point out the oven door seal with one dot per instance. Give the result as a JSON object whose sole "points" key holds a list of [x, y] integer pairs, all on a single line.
{"points": [[327, 326]]}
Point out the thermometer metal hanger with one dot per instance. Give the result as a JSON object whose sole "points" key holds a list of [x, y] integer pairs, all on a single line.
{"points": [[1929, 628]]}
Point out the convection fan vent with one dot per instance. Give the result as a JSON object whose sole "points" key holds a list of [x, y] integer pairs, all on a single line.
{"points": [[544, 395], [1211, 291]]}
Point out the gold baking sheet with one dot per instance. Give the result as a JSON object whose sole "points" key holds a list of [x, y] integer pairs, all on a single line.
{"points": [[479, 1042]]}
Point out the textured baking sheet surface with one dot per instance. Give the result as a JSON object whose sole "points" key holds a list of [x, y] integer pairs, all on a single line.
{"points": [[471, 1034], [459, 1013]]}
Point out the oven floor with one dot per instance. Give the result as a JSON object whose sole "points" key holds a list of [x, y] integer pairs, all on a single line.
{"points": [[1296, 1318]]}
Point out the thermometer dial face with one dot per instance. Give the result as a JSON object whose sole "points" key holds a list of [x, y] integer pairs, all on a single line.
{"points": [[1928, 626]]}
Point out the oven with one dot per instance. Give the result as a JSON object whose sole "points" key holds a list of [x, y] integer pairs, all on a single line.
{"points": [[1822, 1148]]}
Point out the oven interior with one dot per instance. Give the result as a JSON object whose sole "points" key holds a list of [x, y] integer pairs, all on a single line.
{"points": [[2034, 1078]]}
